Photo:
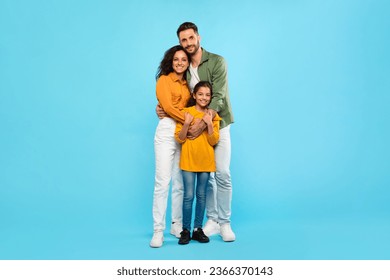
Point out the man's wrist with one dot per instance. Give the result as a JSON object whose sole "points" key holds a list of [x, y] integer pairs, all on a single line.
{"points": [[214, 112]]}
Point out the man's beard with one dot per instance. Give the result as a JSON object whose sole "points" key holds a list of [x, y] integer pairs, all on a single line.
{"points": [[196, 48]]}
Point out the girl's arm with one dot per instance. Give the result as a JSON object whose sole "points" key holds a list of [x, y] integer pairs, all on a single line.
{"points": [[182, 129], [213, 138], [208, 119]]}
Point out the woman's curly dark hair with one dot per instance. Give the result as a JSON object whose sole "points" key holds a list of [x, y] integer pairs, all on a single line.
{"points": [[166, 63]]}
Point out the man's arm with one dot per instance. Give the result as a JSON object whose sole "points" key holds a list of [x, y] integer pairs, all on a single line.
{"points": [[220, 88], [196, 129], [160, 112], [220, 85], [198, 126]]}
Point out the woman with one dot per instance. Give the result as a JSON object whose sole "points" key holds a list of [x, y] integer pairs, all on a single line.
{"points": [[172, 94]]}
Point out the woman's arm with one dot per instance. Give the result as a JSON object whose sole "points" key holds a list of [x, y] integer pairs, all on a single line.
{"points": [[164, 96]]}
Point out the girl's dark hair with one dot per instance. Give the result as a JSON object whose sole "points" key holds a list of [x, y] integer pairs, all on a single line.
{"points": [[191, 101], [166, 63]]}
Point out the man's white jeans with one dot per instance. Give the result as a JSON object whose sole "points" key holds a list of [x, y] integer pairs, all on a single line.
{"points": [[167, 155], [219, 191]]}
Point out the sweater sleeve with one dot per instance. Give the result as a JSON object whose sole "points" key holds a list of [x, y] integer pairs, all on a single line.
{"points": [[179, 126], [164, 97], [214, 138]]}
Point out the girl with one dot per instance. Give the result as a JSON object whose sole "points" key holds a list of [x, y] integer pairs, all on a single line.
{"points": [[197, 160], [172, 94]]}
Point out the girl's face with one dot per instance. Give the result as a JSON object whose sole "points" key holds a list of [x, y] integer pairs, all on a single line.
{"points": [[202, 97], [180, 62]]}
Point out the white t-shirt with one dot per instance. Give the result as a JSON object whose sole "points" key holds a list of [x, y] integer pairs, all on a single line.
{"points": [[194, 77]]}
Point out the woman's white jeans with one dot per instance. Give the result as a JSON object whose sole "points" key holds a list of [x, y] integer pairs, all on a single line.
{"points": [[219, 191], [167, 155]]}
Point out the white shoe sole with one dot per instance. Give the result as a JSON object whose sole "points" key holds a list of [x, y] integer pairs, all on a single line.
{"points": [[230, 239], [172, 232], [155, 245], [211, 232]]}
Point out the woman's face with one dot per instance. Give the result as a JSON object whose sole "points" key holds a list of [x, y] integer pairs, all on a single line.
{"points": [[180, 62]]}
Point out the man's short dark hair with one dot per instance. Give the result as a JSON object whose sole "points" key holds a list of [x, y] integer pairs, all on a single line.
{"points": [[185, 26]]}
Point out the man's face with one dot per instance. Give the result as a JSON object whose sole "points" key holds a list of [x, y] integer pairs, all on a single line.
{"points": [[189, 40]]}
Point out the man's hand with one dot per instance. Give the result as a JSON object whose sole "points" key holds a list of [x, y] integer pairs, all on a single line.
{"points": [[196, 129], [160, 112], [213, 113]]}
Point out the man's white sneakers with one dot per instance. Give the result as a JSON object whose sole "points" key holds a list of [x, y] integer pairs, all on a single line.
{"points": [[176, 228], [211, 228], [227, 233], [157, 240]]}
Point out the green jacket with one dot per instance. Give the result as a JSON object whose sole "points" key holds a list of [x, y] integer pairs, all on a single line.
{"points": [[213, 68]]}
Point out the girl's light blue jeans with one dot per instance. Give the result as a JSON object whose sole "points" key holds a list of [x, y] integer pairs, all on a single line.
{"points": [[189, 179]]}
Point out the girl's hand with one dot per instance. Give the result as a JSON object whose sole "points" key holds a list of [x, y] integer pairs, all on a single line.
{"points": [[188, 118], [208, 117]]}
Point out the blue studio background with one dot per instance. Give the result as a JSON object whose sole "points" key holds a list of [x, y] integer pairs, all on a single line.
{"points": [[309, 84]]}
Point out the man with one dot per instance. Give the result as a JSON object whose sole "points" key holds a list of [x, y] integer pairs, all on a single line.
{"points": [[206, 66]]}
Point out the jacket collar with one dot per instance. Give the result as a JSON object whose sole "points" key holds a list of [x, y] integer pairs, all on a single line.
{"points": [[205, 56], [174, 78]]}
